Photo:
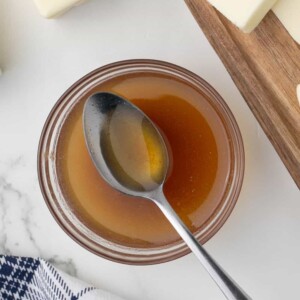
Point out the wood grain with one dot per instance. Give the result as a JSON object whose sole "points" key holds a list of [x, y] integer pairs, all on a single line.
{"points": [[265, 66]]}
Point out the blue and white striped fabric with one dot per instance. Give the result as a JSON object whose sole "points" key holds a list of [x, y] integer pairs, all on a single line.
{"points": [[35, 279]]}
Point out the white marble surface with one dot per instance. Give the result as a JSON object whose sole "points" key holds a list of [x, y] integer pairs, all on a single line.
{"points": [[259, 244]]}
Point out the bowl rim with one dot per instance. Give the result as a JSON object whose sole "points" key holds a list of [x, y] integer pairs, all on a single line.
{"points": [[239, 147]]}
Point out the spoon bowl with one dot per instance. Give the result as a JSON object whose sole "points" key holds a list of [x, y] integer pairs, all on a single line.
{"points": [[125, 146]]}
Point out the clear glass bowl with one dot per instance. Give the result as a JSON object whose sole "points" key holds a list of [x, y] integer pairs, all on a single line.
{"points": [[58, 205]]}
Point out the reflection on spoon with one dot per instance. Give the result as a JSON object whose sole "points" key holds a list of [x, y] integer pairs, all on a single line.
{"points": [[132, 147]]}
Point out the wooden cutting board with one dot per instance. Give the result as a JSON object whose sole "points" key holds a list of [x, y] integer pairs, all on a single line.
{"points": [[265, 66]]}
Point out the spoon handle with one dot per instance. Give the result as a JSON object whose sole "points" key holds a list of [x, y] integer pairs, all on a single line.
{"points": [[227, 285]]}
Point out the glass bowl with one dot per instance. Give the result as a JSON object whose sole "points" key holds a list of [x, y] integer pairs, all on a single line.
{"points": [[58, 205]]}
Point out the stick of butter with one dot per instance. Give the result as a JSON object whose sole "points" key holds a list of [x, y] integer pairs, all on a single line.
{"points": [[246, 14], [288, 12], [53, 8]]}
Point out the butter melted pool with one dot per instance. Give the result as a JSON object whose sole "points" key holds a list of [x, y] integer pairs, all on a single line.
{"points": [[197, 179]]}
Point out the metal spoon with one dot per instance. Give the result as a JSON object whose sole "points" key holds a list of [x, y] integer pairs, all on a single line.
{"points": [[131, 155]]}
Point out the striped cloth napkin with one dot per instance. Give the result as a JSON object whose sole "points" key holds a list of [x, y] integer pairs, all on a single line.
{"points": [[35, 279]]}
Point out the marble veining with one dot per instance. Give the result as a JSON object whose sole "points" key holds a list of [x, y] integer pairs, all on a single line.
{"points": [[67, 265], [12, 199]]}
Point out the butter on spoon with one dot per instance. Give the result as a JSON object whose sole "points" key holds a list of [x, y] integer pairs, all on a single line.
{"points": [[130, 153]]}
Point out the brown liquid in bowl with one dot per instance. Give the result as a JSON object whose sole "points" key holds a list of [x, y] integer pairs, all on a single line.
{"points": [[197, 180]]}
